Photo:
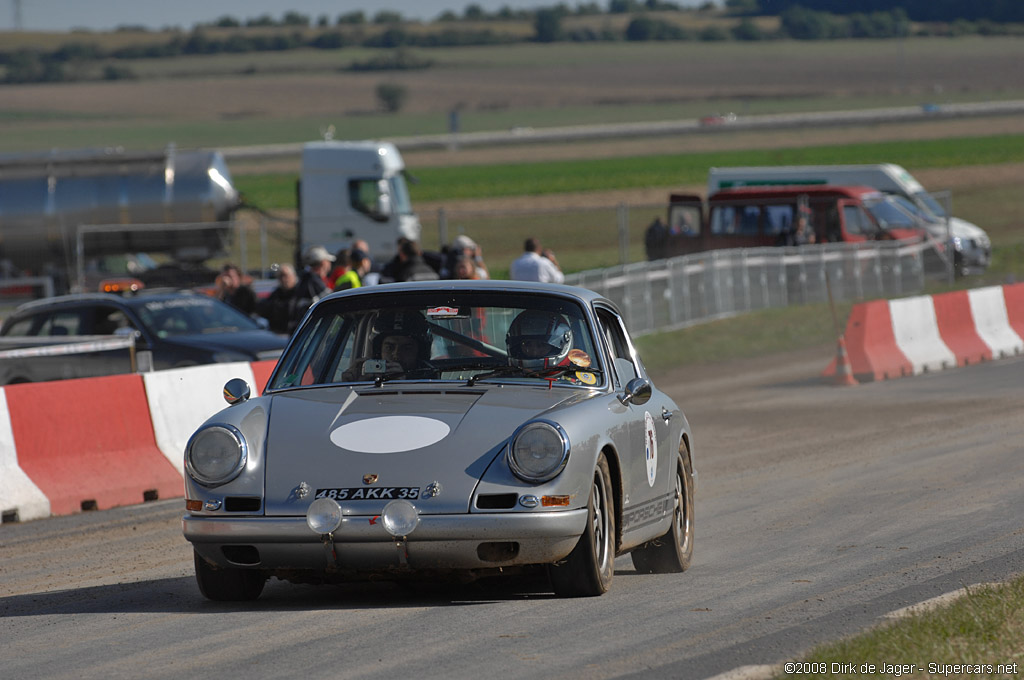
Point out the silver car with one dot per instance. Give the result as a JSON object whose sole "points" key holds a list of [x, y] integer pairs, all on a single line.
{"points": [[438, 429]]}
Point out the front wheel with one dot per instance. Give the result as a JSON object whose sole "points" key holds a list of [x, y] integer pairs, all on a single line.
{"points": [[672, 552], [226, 584], [589, 568]]}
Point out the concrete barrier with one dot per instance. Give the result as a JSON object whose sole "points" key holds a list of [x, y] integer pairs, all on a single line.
{"points": [[95, 443], [910, 336], [180, 399], [20, 498], [88, 444]]}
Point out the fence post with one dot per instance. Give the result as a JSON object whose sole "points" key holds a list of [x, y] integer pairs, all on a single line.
{"points": [[623, 213], [442, 226]]}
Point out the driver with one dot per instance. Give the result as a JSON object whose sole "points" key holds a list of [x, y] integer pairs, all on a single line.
{"points": [[537, 340], [402, 342]]}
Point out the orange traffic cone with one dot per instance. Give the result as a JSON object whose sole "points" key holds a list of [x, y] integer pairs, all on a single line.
{"points": [[844, 371]]}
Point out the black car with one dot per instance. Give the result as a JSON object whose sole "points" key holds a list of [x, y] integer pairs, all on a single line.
{"points": [[177, 329]]}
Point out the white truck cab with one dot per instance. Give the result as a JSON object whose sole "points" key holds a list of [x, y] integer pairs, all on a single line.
{"points": [[354, 190], [970, 244]]}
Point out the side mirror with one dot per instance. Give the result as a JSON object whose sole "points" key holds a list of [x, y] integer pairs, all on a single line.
{"points": [[638, 392], [236, 391]]}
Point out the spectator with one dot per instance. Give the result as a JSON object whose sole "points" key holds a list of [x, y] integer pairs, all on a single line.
{"points": [[283, 308], [411, 265], [232, 289], [464, 268], [800, 235], [463, 247], [340, 268], [358, 273], [656, 240], [536, 264], [312, 285]]}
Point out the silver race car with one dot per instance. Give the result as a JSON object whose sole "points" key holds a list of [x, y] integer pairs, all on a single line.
{"points": [[437, 429]]}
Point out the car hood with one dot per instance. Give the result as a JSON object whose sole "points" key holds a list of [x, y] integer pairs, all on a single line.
{"points": [[258, 344], [959, 229], [376, 442]]}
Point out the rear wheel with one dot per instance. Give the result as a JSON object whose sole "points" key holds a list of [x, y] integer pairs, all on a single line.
{"points": [[227, 584], [589, 568], [672, 552]]}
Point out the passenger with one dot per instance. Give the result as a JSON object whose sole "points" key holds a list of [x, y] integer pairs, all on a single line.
{"points": [[537, 340]]}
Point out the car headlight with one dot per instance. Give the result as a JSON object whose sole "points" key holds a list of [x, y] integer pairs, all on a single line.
{"points": [[215, 455], [538, 452]]}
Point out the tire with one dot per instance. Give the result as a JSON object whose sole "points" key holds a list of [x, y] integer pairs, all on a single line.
{"points": [[226, 584], [589, 568], [672, 552]]}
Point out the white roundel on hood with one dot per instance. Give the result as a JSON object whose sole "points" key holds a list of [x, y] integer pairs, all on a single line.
{"points": [[389, 434]]}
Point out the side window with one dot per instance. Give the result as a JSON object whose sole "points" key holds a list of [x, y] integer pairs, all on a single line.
{"points": [[778, 219], [723, 219], [684, 220], [22, 327], [749, 219], [618, 346], [365, 196], [856, 221], [62, 323], [106, 320]]}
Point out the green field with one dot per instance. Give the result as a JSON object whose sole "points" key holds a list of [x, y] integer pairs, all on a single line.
{"points": [[277, 191]]}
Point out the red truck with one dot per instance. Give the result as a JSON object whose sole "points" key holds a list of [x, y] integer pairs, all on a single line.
{"points": [[752, 217]]}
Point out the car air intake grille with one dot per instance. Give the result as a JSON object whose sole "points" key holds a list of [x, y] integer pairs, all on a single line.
{"points": [[496, 501], [241, 504]]}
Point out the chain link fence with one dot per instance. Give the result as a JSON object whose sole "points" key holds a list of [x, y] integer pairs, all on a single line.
{"points": [[682, 291]]}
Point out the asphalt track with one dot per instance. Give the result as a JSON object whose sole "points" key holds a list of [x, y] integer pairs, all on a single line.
{"points": [[820, 509]]}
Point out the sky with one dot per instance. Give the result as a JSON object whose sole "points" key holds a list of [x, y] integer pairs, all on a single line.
{"points": [[99, 15]]}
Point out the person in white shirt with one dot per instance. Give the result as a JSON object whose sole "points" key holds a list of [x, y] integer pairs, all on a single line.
{"points": [[536, 265]]}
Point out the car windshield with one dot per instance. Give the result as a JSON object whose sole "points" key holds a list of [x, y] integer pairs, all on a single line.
{"points": [[191, 315], [466, 336], [891, 216]]}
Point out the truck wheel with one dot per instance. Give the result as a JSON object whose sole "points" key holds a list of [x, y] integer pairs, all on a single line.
{"points": [[589, 568], [672, 552], [226, 584]]}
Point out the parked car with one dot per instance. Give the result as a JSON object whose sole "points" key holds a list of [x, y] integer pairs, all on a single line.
{"points": [[177, 328], [454, 428]]}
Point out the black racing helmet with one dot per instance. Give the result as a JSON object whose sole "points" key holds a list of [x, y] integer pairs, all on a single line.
{"points": [[549, 328], [409, 323]]}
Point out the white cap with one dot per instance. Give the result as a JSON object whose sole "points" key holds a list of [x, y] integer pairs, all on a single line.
{"points": [[317, 254], [462, 242]]}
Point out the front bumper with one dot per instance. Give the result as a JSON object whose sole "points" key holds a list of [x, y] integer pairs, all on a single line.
{"points": [[441, 542]]}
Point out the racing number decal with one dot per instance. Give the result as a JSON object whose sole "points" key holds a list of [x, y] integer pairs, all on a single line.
{"points": [[650, 448]]}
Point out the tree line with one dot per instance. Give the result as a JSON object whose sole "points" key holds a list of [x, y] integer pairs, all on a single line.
{"points": [[649, 20]]}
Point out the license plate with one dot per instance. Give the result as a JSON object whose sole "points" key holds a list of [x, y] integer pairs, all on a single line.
{"points": [[360, 493]]}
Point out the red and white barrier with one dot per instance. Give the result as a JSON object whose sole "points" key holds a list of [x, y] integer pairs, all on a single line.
{"points": [[909, 336], [96, 443]]}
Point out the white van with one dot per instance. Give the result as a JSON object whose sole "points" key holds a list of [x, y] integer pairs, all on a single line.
{"points": [[354, 190], [970, 244]]}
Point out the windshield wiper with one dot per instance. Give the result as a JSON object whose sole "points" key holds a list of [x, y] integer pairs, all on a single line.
{"points": [[495, 372], [551, 373]]}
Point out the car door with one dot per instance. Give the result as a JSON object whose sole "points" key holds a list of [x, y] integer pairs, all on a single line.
{"points": [[647, 463]]}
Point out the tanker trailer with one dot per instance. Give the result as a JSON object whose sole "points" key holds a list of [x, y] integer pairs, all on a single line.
{"points": [[59, 207]]}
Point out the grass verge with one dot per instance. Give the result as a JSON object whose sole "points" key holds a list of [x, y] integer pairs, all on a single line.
{"points": [[759, 333], [979, 635]]}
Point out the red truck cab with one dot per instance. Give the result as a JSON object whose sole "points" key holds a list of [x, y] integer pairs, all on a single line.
{"points": [[752, 217]]}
